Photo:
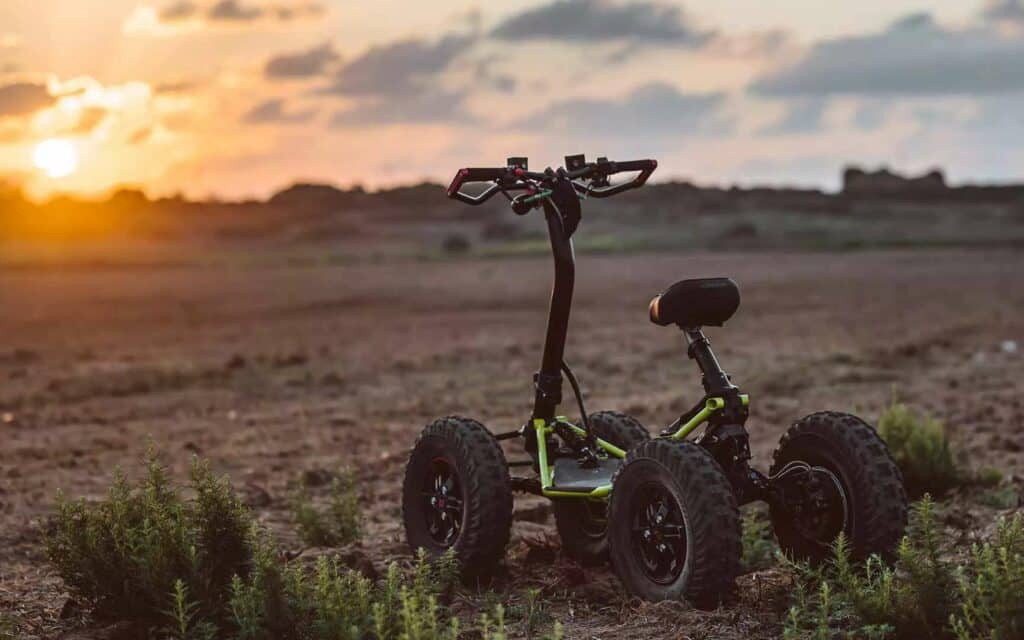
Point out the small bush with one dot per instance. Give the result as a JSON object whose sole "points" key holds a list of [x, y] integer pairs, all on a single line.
{"points": [[456, 244], [989, 477], [990, 586], [759, 547], [1002, 498], [126, 555], [9, 627], [339, 524], [200, 569], [284, 602], [920, 446], [925, 595]]}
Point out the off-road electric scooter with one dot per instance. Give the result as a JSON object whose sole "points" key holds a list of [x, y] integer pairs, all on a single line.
{"points": [[457, 492], [674, 523]]}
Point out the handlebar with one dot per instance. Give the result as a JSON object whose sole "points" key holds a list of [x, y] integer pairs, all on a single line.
{"points": [[602, 169], [512, 178]]}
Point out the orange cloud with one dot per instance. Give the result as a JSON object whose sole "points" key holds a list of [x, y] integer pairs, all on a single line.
{"points": [[186, 15]]}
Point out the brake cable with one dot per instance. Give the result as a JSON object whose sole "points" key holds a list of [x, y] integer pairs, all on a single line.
{"points": [[591, 439]]}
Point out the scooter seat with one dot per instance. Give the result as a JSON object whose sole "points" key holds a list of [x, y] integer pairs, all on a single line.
{"points": [[696, 303]]}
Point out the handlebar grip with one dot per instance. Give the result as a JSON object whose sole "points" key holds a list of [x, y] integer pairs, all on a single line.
{"points": [[636, 165], [645, 167], [484, 174]]}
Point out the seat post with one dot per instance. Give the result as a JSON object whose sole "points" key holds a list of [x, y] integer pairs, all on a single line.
{"points": [[715, 380]]}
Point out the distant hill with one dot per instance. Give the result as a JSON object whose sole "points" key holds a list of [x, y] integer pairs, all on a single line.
{"points": [[873, 208]]}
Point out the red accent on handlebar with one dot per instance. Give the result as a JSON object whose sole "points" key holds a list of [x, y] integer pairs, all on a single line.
{"points": [[460, 177]]}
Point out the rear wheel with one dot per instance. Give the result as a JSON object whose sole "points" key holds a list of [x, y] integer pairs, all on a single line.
{"points": [[834, 474], [674, 524], [583, 524], [457, 494]]}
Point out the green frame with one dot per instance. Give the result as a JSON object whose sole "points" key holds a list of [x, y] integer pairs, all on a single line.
{"points": [[544, 428]]}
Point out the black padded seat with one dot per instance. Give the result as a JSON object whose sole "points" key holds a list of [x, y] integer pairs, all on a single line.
{"points": [[699, 302]]}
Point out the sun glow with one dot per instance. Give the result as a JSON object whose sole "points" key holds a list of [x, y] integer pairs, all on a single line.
{"points": [[56, 158]]}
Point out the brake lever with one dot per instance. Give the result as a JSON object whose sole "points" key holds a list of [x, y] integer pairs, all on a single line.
{"points": [[582, 189], [479, 199]]}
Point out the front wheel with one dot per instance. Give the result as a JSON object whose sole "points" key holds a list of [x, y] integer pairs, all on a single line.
{"points": [[833, 474], [457, 494], [583, 524], [674, 525]]}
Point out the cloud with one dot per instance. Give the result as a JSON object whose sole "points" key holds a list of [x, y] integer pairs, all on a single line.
{"points": [[655, 109], [485, 76], [603, 20], [177, 86], [89, 119], [303, 64], [140, 136], [234, 10], [184, 15], [804, 115], [23, 98], [431, 106], [273, 112], [398, 82], [1011, 11], [756, 44], [399, 68], [182, 10], [914, 56], [871, 114]]}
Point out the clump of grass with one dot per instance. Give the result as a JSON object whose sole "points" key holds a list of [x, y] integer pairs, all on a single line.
{"points": [[760, 550], [338, 524], [284, 602], [1001, 498], [921, 448], [9, 627], [200, 568], [926, 594], [988, 477], [989, 588], [124, 555]]}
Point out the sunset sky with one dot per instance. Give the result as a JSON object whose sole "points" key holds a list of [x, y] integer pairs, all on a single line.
{"points": [[238, 98]]}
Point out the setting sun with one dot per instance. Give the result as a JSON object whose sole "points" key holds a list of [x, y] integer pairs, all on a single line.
{"points": [[56, 158]]}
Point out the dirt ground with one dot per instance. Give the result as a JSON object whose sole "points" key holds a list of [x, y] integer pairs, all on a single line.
{"points": [[272, 372]]}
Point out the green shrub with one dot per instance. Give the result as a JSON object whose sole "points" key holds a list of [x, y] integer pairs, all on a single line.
{"points": [[9, 627], [990, 586], [1002, 498], [456, 244], [989, 477], [339, 524], [285, 602], [200, 569], [920, 446], [759, 547], [184, 615], [925, 595], [127, 554], [913, 599]]}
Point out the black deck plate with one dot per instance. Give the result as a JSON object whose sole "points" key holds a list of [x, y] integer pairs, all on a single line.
{"points": [[570, 476]]}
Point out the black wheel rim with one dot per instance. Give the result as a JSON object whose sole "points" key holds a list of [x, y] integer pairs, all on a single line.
{"points": [[817, 504], [658, 533], [443, 502]]}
